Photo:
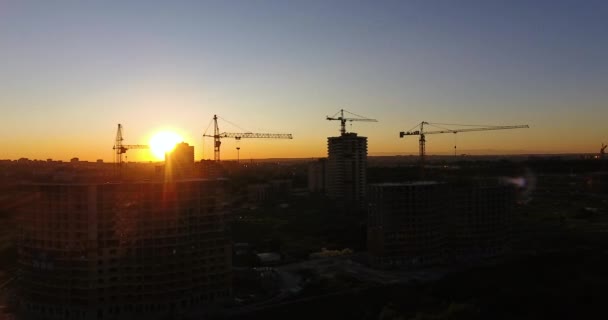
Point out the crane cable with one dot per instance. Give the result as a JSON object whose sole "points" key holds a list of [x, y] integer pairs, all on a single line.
{"points": [[414, 127], [463, 125], [448, 129], [234, 124], [351, 113], [203, 143], [356, 115]]}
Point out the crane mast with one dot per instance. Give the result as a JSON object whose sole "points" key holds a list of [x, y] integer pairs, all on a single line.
{"points": [[217, 136], [216, 139], [343, 120], [121, 148], [118, 145]]}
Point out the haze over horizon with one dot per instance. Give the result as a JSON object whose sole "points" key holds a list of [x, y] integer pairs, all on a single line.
{"points": [[71, 71]]}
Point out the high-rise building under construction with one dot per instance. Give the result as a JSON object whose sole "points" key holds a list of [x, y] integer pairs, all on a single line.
{"points": [[346, 168]]}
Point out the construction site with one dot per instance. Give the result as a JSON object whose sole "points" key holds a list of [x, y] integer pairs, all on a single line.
{"points": [[181, 237]]}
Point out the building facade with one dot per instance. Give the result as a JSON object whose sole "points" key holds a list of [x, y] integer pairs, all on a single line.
{"points": [[123, 250], [179, 163], [346, 168], [425, 223], [317, 175], [406, 223], [480, 220], [598, 182]]}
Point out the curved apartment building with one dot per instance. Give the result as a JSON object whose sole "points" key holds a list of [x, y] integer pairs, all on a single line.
{"points": [[123, 250]]}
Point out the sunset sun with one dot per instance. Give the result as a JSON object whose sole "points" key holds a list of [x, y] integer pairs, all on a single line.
{"points": [[163, 142]]}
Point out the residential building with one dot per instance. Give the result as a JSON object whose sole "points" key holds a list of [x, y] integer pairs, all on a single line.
{"points": [[346, 168], [316, 176], [480, 220], [406, 223], [179, 163], [426, 223], [123, 250]]}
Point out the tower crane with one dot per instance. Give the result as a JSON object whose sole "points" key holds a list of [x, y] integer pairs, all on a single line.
{"points": [[217, 136], [343, 120], [422, 133], [122, 148], [603, 151]]}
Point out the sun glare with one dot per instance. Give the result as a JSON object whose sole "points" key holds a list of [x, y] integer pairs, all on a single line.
{"points": [[163, 142]]}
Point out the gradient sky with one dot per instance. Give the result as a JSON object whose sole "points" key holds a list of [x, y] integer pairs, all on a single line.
{"points": [[71, 70]]}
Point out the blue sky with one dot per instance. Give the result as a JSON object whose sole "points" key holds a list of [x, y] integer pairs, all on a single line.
{"points": [[72, 70]]}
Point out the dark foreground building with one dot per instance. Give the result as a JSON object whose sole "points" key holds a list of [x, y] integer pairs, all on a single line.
{"points": [[125, 250], [480, 220], [424, 223], [598, 182], [406, 223]]}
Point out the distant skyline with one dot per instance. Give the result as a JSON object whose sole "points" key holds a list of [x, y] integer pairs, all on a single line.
{"points": [[70, 71]]}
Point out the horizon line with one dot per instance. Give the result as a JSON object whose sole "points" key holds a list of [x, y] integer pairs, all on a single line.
{"points": [[376, 154]]}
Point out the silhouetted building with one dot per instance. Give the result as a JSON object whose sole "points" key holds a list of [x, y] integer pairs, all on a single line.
{"points": [[210, 169], [179, 163], [276, 189], [598, 182], [258, 192], [406, 223], [480, 220], [426, 223], [123, 250], [280, 188], [346, 168], [6, 234], [316, 176]]}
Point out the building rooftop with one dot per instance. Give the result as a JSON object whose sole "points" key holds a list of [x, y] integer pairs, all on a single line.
{"points": [[405, 184], [347, 135], [88, 183]]}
